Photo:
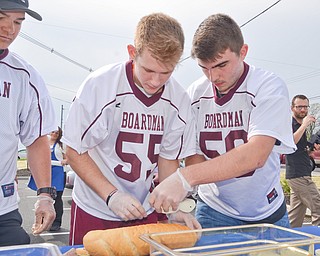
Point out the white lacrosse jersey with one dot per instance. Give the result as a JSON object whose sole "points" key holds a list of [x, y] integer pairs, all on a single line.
{"points": [[26, 113], [124, 132], [257, 105]]}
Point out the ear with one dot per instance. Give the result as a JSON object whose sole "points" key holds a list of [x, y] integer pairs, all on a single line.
{"points": [[244, 51], [131, 51]]}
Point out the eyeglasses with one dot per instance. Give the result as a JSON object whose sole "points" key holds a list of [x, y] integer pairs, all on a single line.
{"points": [[302, 107]]}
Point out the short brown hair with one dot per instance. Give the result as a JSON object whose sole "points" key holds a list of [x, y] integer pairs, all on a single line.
{"points": [[214, 36], [162, 35], [298, 96]]}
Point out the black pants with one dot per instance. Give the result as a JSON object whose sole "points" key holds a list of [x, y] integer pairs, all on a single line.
{"points": [[11, 232], [58, 206]]}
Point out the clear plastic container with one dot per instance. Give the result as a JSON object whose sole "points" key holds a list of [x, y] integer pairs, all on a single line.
{"points": [[45, 249], [248, 240]]}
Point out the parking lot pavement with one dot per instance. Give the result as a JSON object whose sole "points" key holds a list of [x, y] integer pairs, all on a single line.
{"points": [[26, 208], [316, 172]]}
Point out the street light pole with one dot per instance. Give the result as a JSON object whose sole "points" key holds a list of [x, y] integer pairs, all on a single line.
{"points": [[61, 116]]}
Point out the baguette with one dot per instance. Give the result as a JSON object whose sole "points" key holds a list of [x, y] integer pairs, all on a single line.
{"points": [[126, 240], [82, 252]]}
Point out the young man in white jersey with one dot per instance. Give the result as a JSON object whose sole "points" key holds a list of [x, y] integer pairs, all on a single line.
{"points": [[27, 114], [127, 120], [243, 122]]}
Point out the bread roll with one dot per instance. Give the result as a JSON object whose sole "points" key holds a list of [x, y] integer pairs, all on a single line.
{"points": [[126, 241], [82, 252]]}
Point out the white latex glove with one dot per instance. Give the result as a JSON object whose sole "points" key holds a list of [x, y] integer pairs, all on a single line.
{"points": [[169, 193], [44, 214], [126, 206], [184, 218]]}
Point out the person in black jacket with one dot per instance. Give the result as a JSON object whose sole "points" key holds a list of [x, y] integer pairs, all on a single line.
{"points": [[304, 192]]}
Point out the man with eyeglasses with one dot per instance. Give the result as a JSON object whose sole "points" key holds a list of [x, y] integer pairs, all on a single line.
{"points": [[304, 192]]}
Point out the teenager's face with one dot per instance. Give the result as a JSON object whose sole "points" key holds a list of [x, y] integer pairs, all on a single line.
{"points": [[149, 73], [10, 25], [225, 71]]}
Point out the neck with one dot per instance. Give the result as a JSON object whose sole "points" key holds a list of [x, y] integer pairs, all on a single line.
{"points": [[299, 120], [148, 94], [219, 94]]}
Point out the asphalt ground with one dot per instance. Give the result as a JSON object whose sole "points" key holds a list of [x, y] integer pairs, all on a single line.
{"points": [[26, 207]]}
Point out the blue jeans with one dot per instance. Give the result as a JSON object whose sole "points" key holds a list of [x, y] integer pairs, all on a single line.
{"points": [[210, 218]]}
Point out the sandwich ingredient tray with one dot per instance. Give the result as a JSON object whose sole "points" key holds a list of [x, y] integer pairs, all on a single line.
{"points": [[247, 240]]}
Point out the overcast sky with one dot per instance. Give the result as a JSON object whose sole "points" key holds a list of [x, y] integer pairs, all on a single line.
{"points": [[285, 39]]}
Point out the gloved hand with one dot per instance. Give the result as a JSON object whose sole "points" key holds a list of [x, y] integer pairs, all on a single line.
{"points": [[169, 193], [184, 218], [126, 206], [44, 214]]}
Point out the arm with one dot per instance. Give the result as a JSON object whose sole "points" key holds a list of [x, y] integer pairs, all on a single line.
{"points": [[166, 167], [38, 154], [63, 154], [236, 162], [305, 123], [40, 166], [60, 155], [195, 159], [89, 172], [124, 205], [64, 161]]}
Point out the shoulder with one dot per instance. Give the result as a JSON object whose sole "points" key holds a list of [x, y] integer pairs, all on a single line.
{"points": [[17, 63], [295, 124], [199, 88], [103, 80], [174, 90], [259, 78], [263, 81], [19, 71], [99, 90], [110, 70]]}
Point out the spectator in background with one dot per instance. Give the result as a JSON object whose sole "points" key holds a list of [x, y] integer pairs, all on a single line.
{"points": [[57, 173], [27, 114], [304, 192]]}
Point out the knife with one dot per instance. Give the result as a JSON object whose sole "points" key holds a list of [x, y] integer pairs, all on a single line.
{"points": [[186, 206]]}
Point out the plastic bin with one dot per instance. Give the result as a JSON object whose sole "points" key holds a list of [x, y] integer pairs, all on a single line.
{"points": [[247, 240]]}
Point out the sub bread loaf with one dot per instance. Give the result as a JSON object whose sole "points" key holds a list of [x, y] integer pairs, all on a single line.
{"points": [[76, 252], [126, 241], [82, 252]]}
